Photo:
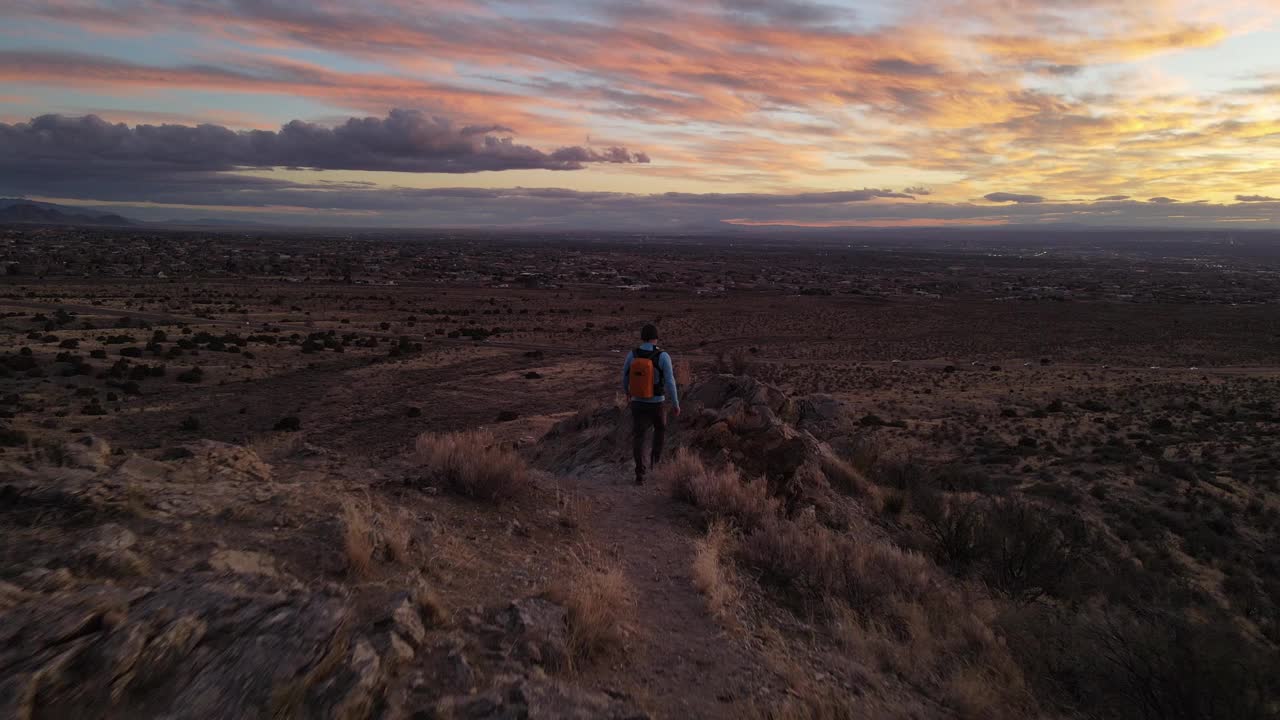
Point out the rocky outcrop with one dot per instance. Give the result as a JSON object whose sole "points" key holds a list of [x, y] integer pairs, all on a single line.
{"points": [[196, 647]]}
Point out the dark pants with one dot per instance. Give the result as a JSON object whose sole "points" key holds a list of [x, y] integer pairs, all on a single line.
{"points": [[646, 415]]}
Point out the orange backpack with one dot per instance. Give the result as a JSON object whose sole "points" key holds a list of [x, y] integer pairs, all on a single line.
{"points": [[644, 379]]}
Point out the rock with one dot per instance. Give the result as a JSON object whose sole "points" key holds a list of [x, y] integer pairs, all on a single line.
{"points": [[212, 461], [167, 649], [458, 670], [243, 562], [365, 676], [44, 580], [106, 549], [542, 629], [537, 699], [89, 452], [820, 409], [140, 469], [407, 622], [400, 651], [191, 647]]}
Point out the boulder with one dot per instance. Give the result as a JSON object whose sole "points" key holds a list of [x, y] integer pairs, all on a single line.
{"points": [[243, 562], [541, 627], [107, 549], [89, 452], [205, 461], [537, 698]]}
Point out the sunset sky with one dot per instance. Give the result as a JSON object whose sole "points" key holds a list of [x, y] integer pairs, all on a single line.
{"points": [[647, 114]]}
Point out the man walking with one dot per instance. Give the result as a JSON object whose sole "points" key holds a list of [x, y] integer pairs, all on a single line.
{"points": [[649, 381]]}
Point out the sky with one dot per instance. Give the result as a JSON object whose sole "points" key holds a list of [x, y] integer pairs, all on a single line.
{"points": [[648, 115]]}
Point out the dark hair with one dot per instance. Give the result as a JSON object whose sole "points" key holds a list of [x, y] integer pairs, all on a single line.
{"points": [[648, 332]]}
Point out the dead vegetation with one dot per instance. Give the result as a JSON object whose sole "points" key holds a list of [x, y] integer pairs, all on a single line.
{"points": [[719, 492], [600, 603], [473, 465], [714, 576], [357, 537]]}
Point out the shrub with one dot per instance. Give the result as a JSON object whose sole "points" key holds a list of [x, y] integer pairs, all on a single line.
{"points": [[469, 463], [718, 492], [357, 538], [711, 576], [600, 605], [194, 375], [811, 562], [288, 424], [954, 528]]}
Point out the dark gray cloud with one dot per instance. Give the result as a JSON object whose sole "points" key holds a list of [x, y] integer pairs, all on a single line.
{"points": [[1162, 200], [797, 12], [1256, 198], [1112, 198], [1002, 197], [361, 204], [896, 66], [403, 141], [917, 190]]}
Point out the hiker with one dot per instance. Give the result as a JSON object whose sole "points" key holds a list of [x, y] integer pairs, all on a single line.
{"points": [[649, 381]]}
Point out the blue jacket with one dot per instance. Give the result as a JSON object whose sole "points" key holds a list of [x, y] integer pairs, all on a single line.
{"points": [[668, 377]]}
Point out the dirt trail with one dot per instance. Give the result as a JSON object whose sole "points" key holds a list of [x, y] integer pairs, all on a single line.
{"points": [[682, 664]]}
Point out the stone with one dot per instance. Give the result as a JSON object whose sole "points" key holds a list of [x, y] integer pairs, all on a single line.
{"points": [[106, 549], [89, 452], [205, 461], [407, 622], [136, 468], [45, 580], [537, 698], [542, 629], [243, 562]]}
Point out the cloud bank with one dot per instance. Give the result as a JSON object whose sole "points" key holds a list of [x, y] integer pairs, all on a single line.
{"points": [[403, 141]]}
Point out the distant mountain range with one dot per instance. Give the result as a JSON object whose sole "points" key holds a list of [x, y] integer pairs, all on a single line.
{"points": [[21, 210]]}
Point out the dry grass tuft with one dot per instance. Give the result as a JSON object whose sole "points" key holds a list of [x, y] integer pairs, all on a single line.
{"points": [[430, 604], [571, 508], [601, 605], [715, 579], [843, 476], [814, 563], [719, 492], [471, 464], [397, 534], [357, 538]]}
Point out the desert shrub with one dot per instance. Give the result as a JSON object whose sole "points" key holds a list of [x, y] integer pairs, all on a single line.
{"points": [[190, 424], [842, 475], [719, 492], [12, 437], [471, 464], [711, 575], [1029, 553], [810, 562], [954, 528], [194, 375], [1155, 664], [600, 605], [288, 424], [357, 538]]}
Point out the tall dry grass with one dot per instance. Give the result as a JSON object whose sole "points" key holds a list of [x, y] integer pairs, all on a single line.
{"points": [[472, 464], [357, 537], [601, 607], [719, 492], [713, 576]]}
